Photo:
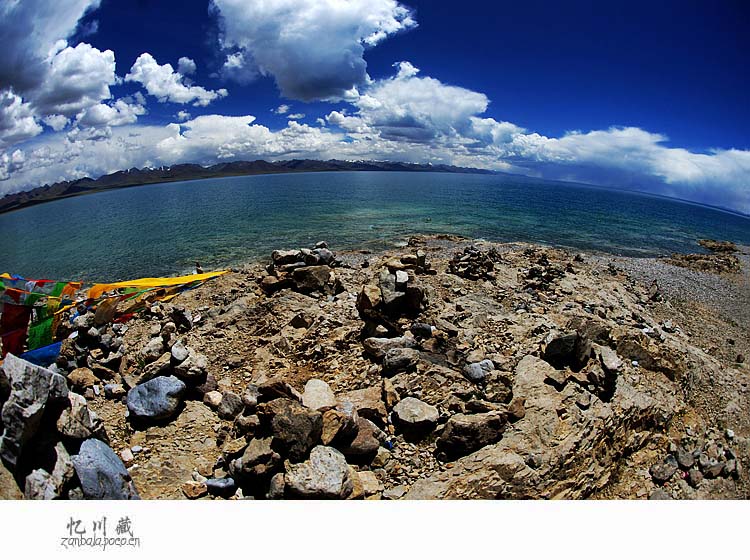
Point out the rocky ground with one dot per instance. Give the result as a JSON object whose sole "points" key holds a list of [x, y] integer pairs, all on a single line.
{"points": [[444, 369]]}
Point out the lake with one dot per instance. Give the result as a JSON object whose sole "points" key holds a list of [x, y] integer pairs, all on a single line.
{"points": [[163, 229]]}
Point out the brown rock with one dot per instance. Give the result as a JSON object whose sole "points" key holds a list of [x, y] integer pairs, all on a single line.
{"points": [[194, 490], [82, 378]]}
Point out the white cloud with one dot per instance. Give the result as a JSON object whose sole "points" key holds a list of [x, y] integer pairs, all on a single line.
{"points": [[56, 122], [165, 84], [281, 109], [313, 48], [186, 66], [183, 115], [76, 78], [121, 112], [11, 163], [17, 121], [295, 116]]}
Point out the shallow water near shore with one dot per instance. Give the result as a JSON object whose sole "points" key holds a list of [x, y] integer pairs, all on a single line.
{"points": [[163, 229]]}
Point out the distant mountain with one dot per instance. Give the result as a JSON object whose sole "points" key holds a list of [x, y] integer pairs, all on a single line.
{"points": [[188, 171]]}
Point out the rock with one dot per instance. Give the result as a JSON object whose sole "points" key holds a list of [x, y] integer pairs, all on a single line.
{"points": [[157, 399], [32, 390], [313, 279], [568, 350], [276, 488], [377, 347], [685, 459], [714, 469], [277, 388], [295, 429], [611, 362], [193, 368], [324, 476], [153, 350], [271, 284], [102, 474], [659, 494], [247, 424], [161, 366], [414, 417], [395, 493], [179, 352], [466, 433], [389, 394], [369, 298], [223, 487], [365, 446], [301, 321], [478, 371], [662, 472], [368, 403], [78, 422], [399, 359], [258, 463], [229, 406], [41, 485], [517, 409], [340, 425], [250, 397], [8, 488], [285, 257], [127, 456], [82, 378], [212, 399], [194, 490], [318, 396], [370, 483], [694, 477], [421, 330]]}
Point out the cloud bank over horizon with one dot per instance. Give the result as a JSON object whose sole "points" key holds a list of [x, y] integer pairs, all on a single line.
{"points": [[60, 120]]}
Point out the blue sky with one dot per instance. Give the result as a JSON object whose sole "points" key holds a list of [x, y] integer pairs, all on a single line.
{"points": [[642, 95]]}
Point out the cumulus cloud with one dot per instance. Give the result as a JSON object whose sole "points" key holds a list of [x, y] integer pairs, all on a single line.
{"points": [[295, 116], [281, 109], [186, 66], [76, 78], [17, 122], [121, 112], [313, 48], [29, 30], [161, 81]]}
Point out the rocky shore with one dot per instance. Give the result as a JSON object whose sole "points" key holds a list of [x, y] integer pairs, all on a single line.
{"points": [[446, 369]]}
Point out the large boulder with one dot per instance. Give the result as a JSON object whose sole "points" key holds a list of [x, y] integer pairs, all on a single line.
{"points": [[400, 359], [157, 399], [310, 279], [325, 475], [102, 474], [33, 390], [466, 433]]}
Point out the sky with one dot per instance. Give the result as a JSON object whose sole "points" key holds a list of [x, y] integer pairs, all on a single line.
{"points": [[650, 96]]}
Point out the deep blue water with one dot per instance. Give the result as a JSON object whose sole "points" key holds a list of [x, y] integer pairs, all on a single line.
{"points": [[163, 229]]}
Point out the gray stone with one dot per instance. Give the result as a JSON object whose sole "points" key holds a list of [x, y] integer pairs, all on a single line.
{"points": [[312, 279], [153, 350], [157, 399], [399, 359], [414, 417], [659, 494], [179, 352], [230, 406], [193, 368], [250, 396], [77, 421], [377, 347], [609, 359], [223, 487], [32, 389], [324, 476], [114, 391], [662, 472], [478, 371], [102, 474], [421, 330], [694, 477], [318, 396], [685, 459], [41, 485], [258, 462]]}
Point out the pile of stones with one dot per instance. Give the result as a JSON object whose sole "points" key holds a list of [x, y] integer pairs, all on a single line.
{"points": [[474, 264], [308, 271]]}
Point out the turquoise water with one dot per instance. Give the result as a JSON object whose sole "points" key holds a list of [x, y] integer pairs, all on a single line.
{"points": [[163, 229]]}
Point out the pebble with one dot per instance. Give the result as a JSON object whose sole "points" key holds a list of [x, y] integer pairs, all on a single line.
{"points": [[126, 455]]}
